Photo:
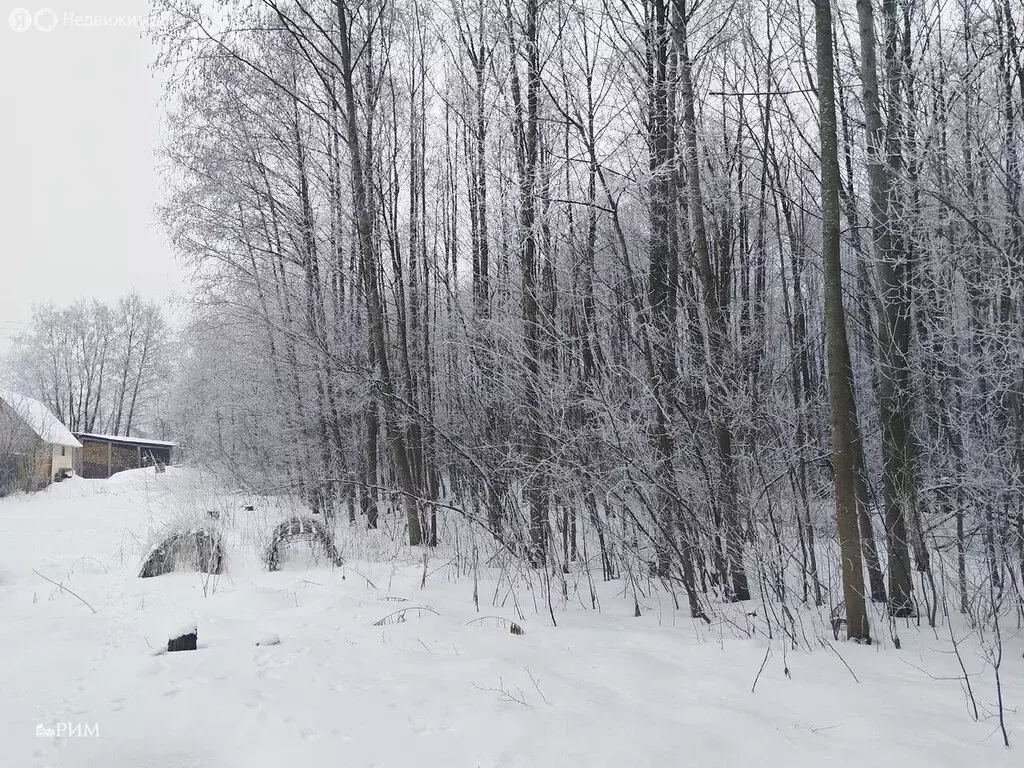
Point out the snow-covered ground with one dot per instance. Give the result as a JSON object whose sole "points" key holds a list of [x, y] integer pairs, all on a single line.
{"points": [[602, 688]]}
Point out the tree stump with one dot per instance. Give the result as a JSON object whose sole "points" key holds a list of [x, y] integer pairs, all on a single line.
{"points": [[186, 642]]}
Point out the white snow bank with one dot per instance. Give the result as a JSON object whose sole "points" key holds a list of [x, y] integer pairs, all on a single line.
{"points": [[434, 690]]}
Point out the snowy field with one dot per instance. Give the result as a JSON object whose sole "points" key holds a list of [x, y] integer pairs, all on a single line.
{"points": [[602, 688]]}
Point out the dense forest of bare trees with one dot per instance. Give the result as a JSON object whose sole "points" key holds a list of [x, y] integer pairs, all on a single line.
{"points": [[662, 279]]}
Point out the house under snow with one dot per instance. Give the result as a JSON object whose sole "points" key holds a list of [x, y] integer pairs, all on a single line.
{"points": [[35, 447]]}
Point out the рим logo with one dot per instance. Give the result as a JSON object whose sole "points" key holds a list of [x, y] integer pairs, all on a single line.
{"points": [[69, 730]]}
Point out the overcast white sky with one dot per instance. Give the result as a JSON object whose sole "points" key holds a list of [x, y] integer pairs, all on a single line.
{"points": [[79, 122]]}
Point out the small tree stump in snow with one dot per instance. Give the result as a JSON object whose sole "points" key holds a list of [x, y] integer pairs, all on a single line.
{"points": [[186, 642]]}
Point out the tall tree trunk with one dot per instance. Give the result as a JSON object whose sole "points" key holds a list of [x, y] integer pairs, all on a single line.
{"points": [[845, 432], [527, 133], [368, 267], [894, 314], [719, 356]]}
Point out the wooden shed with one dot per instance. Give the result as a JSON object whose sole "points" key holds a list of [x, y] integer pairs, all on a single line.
{"points": [[104, 455], [35, 447]]}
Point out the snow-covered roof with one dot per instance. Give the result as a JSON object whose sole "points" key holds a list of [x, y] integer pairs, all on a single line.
{"points": [[40, 419], [126, 440]]}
